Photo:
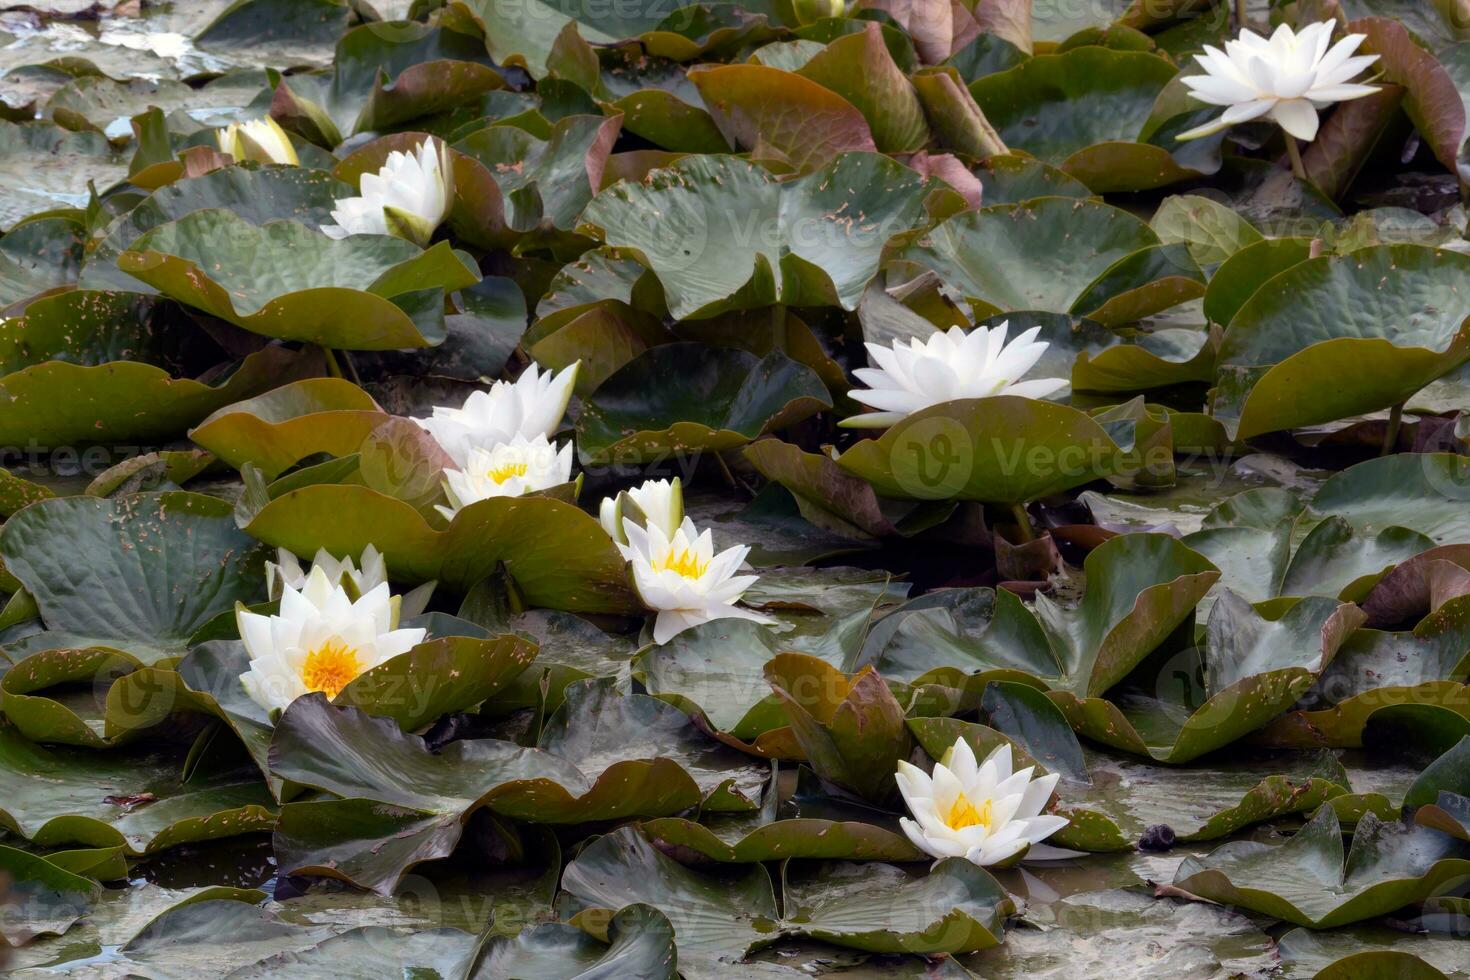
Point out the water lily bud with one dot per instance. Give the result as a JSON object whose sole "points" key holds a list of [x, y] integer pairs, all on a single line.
{"points": [[808, 11], [260, 140], [654, 502]]}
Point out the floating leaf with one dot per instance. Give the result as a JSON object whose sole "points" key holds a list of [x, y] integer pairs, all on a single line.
{"points": [[283, 279], [723, 234], [689, 398]]}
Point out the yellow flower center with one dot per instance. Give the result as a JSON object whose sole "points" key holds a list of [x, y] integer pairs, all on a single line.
{"points": [[963, 813], [504, 471], [684, 562], [330, 667]]}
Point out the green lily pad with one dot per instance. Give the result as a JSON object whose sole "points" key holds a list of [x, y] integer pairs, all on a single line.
{"points": [[276, 430], [37, 257], [257, 195], [545, 181], [1004, 449], [727, 235], [778, 115], [686, 397], [1085, 110], [859, 68], [1371, 952], [1309, 880], [1397, 306], [715, 671], [1378, 670], [558, 556], [47, 167], [852, 731], [1062, 256], [69, 380], [717, 921], [159, 566], [798, 837], [1424, 492], [283, 279], [42, 898], [134, 799], [638, 941], [1140, 588], [382, 79], [403, 804], [1253, 669]]}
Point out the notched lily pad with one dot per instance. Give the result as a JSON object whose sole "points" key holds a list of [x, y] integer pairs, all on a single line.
{"points": [[688, 398], [283, 279]]}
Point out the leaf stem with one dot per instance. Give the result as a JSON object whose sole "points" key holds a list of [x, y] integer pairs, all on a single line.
{"points": [[1295, 152], [1395, 423], [1023, 522]]}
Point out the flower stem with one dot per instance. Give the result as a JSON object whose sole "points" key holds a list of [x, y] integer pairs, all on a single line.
{"points": [[1241, 10], [1391, 437], [1023, 522], [334, 370], [1295, 152]]}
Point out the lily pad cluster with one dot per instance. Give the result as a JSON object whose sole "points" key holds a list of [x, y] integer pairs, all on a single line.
{"points": [[734, 489]]}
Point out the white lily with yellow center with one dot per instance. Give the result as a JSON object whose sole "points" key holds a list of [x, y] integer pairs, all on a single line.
{"points": [[321, 640], [1286, 78], [680, 577], [511, 469], [653, 503], [260, 140], [408, 197], [986, 813], [287, 570], [530, 406], [950, 365]]}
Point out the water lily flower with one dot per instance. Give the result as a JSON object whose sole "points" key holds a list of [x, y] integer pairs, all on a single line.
{"points": [[530, 406], [321, 640], [950, 365], [1286, 78], [287, 570], [680, 577], [511, 469], [985, 814], [659, 503], [408, 197], [260, 140]]}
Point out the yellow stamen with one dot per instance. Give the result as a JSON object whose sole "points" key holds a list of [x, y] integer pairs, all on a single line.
{"points": [[503, 472], [685, 563], [962, 813], [330, 667]]}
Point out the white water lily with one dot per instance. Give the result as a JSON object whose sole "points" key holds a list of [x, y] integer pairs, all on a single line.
{"points": [[321, 640], [1287, 78], [511, 469], [660, 503], [986, 814], [530, 406], [372, 572], [260, 140], [949, 366], [408, 197], [680, 577]]}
